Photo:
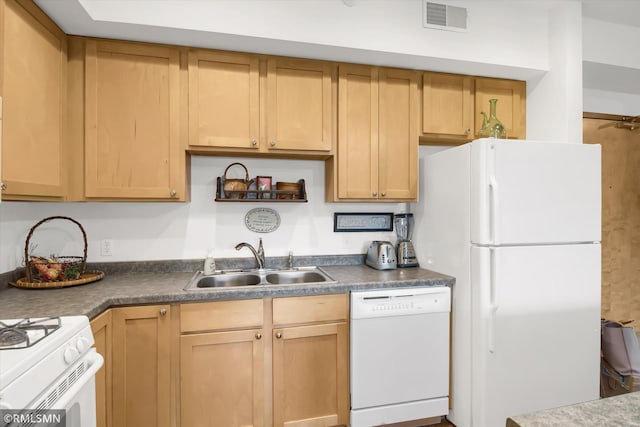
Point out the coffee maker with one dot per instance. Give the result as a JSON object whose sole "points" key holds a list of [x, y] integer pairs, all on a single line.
{"points": [[406, 255]]}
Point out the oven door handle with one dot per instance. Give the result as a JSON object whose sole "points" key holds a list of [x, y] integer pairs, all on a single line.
{"points": [[95, 363]]}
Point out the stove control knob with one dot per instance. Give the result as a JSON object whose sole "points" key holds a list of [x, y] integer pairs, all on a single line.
{"points": [[70, 355], [82, 344]]}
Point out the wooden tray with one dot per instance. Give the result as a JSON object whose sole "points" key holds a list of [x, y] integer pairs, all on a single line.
{"points": [[86, 277]]}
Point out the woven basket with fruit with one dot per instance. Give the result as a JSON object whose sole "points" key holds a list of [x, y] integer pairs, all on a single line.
{"points": [[56, 271]]}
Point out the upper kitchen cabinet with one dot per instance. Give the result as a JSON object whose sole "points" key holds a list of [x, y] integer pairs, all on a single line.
{"points": [[33, 84], [243, 104], [378, 127], [299, 106], [224, 100], [510, 108], [133, 143], [452, 103], [447, 107]]}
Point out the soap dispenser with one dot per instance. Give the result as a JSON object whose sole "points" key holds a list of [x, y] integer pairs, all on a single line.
{"points": [[209, 264]]}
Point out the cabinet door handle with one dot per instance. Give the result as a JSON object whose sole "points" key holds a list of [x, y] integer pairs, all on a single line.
{"points": [[273, 143], [3, 186], [375, 194], [254, 142], [468, 131], [163, 312], [173, 193], [258, 336], [383, 194], [278, 335]]}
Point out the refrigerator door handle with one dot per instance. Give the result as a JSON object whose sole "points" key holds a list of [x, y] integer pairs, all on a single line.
{"points": [[493, 306], [493, 210]]}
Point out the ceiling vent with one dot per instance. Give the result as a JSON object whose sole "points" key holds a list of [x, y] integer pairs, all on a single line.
{"points": [[444, 17]]}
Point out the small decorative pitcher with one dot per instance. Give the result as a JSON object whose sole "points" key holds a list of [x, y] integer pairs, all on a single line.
{"points": [[491, 126]]}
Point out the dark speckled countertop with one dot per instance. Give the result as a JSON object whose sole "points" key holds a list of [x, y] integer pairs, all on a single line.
{"points": [[141, 283]]}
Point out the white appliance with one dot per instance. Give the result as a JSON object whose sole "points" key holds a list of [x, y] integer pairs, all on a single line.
{"points": [[399, 355], [517, 223], [48, 364]]}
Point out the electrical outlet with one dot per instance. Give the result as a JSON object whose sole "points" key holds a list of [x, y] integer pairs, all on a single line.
{"points": [[106, 247]]}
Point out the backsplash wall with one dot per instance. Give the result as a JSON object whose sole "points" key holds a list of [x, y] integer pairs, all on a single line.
{"points": [[157, 231]]}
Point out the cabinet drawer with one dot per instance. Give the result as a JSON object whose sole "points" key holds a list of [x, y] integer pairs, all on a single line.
{"points": [[208, 316], [310, 309]]}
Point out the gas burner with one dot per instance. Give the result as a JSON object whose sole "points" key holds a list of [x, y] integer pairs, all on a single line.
{"points": [[11, 336], [26, 332]]}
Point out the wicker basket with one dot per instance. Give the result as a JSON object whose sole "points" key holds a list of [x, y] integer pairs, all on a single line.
{"points": [[59, 272]]}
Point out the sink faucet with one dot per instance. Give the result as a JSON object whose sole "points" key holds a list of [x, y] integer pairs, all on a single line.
{"points": [[259, 254]]}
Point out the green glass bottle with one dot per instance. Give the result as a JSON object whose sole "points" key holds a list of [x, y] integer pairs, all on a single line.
{"points": [[492, 127]]}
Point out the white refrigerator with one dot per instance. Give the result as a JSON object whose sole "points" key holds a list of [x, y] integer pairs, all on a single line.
{"points": [[517, 223]]}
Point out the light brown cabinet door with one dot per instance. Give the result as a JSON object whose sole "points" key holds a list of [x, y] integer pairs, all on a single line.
{"points": [[447, 107], [222, 379], [101, 327], [33, 84], [224, 100], [357, 156], [378, 129], [510, 108], [141, 366], [310, 375], [132, 137], [298, 105], [398, 130]]}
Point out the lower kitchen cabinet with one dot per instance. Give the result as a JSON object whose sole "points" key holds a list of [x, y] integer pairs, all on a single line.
{"points": [[141, 366], [265, 362], [222, 379], [259, 362], [310, 361], [101, 327], [222, 372], [310, 375]]}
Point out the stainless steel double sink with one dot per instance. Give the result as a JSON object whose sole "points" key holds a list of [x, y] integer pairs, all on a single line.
{"points": [[234, 278]]}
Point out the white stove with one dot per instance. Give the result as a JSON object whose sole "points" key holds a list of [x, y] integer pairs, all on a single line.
{"points": [[48, 364]]}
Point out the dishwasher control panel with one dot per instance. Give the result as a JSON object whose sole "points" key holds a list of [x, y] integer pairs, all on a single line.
{"points": [[400, 302]]}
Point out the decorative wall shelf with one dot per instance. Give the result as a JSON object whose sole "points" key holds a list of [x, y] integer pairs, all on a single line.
{"points": [[260, 196]]}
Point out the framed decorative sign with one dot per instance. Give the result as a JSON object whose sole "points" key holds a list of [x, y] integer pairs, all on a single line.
{"points": [[358, 221], [262, 220]]}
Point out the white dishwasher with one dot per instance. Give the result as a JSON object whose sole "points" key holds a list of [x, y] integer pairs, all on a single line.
{"points": [[399, 355]]}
